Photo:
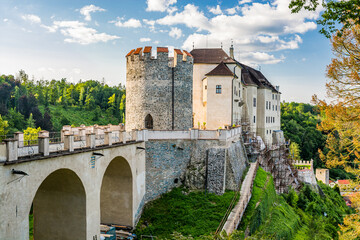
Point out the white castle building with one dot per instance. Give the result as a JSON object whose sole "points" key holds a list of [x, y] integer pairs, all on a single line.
{"points": [[227, 92]]}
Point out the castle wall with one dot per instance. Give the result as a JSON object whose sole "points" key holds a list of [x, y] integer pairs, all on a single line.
{"points": [[155, 86], [194, 163]]}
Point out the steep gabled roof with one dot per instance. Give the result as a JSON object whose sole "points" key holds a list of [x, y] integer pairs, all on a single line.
{"points": [[251, 76], [220, 70], [210, 55]]}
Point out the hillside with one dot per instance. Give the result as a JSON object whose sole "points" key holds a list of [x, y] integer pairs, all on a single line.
{"points": [[303, 215]]}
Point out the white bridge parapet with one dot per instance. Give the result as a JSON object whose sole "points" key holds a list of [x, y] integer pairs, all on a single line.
{"points": [[86, 137]]}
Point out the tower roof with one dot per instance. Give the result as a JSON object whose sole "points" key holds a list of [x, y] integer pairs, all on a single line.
{"points": [[211, 55], [220, 70]]}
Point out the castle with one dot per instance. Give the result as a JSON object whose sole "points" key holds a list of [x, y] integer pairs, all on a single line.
{"points": [[204, 89]]}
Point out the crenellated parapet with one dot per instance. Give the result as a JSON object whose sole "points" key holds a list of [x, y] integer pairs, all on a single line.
{"points": [[300, 164], [162, 56]]}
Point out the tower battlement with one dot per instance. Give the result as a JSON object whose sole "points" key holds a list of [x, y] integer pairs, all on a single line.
{"points": [[159, 89], [162, 55]]}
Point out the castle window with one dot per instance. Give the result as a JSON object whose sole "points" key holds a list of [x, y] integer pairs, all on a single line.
{"points": [[205, 87], [269, 105], [218, 89], [149, 124], [273, 107], [276, 107], [273, 96], [276, 97], [254, 103], [254, 119]]}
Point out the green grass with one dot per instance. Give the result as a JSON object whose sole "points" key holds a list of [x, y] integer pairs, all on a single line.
{"points": [[187, 213], [303, 215], [31, 226]]}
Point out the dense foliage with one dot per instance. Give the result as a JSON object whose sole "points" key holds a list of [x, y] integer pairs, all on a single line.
{"points": [[299, 121], [303, 215], [183, 213], [343, 14], [52, 104]]}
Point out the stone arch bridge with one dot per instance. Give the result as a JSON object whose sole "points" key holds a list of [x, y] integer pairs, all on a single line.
{"points": [[71, 190], [85, 177]]}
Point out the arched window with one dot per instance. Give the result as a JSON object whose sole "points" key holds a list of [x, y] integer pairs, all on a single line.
{"points": [[149, 122]]}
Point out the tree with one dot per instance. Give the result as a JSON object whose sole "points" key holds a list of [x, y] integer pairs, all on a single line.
{"points": [[337, 13], [295, 151], [30, 122], [341, 118], [3, 127]]}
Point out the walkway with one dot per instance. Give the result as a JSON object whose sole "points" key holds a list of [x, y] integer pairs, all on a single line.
{"points": [[245, 195]]}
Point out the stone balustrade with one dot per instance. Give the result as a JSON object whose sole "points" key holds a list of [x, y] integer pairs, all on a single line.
{"points": [[73, 139]]}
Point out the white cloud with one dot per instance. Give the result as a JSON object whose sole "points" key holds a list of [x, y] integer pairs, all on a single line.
{"points": [[87, 10], [151, 24], [156, 42], [216, 10], [31, 18], [191, 17], [241, 2], [5, 20], [233, 10], [160, 5], [51, 29], [264, 27], [254, 58], [131, 23], [175, 33], [145, 39], [78, 32]]}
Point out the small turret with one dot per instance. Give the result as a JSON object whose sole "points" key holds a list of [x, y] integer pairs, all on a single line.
{"points": [[232, 51]]}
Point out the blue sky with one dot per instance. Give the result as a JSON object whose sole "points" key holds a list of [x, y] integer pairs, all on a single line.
{"points": [[89, 39]]}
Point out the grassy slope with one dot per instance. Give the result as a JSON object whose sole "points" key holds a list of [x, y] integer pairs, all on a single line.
{"points": [[188, 213], [268, 213], [299, 216], [77, 116]]}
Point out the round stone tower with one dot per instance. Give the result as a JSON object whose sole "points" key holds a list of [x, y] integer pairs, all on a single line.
{"points": [[158, 90]]}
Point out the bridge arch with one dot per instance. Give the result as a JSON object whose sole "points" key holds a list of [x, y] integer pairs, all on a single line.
{"points": [[116, 194], [59, 207]]}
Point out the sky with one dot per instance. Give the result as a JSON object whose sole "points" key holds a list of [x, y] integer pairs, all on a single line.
{"points": [[81, 40]]}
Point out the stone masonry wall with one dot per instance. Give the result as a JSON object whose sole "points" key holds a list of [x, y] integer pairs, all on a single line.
{"points": [[149, 91], [170, 163], [216, 176]]}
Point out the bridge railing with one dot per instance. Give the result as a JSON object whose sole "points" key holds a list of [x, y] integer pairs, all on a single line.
{"points": [[46, 143]]}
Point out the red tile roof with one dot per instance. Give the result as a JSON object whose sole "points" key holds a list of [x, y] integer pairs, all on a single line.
{"points": [[187, 53], [220, 70], [137, 51], [343, 182], [147, 49], [162, 49], [178, 51], [130, 52]]}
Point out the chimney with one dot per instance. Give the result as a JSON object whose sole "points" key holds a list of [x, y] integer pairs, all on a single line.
{"points": [[232, 51]]}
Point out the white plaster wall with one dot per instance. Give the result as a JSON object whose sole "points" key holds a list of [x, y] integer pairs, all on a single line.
{"points": [[251, 111], [265, 129], [17, 195], [199, 109], [219, 105]]}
